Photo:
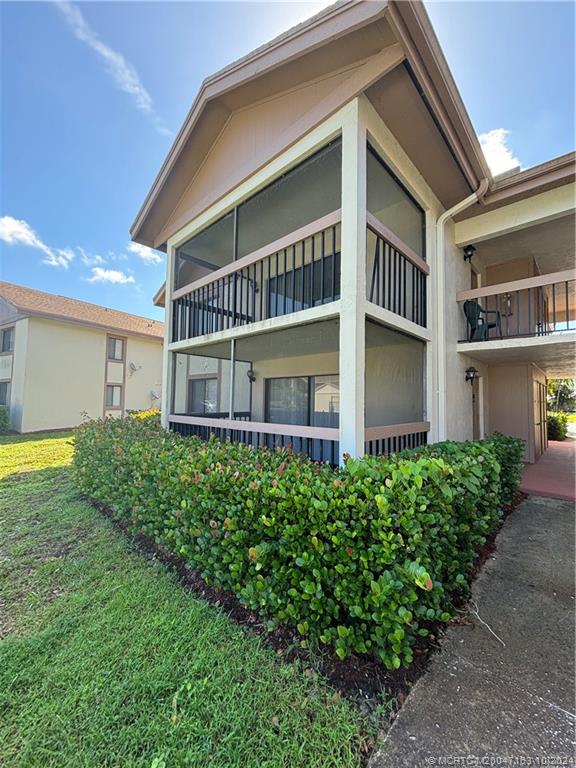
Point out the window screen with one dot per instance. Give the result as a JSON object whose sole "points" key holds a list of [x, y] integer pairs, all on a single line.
{"points": [[8, 340], [115, 349], [393, 205], [113, 395]]}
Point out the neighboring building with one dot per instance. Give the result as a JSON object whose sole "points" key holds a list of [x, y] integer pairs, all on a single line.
{"points": [[316, 208], [61, 359]]}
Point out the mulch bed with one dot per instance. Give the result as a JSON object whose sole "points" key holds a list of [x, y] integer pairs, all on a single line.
{"points": [[362, 680]]}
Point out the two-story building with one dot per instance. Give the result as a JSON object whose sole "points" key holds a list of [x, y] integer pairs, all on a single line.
{"points": [[343, 272], [63, 360]]}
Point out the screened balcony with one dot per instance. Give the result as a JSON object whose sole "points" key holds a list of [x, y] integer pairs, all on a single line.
{"points": [[279, 252], [283, 388], [274, 254]]}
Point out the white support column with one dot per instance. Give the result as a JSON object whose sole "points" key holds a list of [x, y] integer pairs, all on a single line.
{"points": [[167, 357], [353, 283], [232, 377]]}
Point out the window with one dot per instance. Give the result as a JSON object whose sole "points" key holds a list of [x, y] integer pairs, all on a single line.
{"points": [[303, 194], [8, 340], [202, 396], [113, 395], [305, 400], [4, 393], [115, 349], [393, 205]]}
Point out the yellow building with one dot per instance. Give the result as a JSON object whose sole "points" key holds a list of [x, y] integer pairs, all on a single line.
{"points": [[62, 359]]}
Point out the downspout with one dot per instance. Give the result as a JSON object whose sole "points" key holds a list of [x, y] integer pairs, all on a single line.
{"points": [[440, 302]]}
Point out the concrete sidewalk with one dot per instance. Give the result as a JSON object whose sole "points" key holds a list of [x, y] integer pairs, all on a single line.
{"points": [[482, 698], [554, 474]]}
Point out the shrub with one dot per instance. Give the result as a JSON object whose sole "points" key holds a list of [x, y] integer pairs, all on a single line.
{"points": [[509, 453], [359, 558], [557, 425], [4, 419], [150, 414]]}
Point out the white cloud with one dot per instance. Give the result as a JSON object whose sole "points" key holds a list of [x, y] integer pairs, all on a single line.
{"points": [[112, 276], [19, 232], [499, 156], [89, 259], [122, 72], [148, 255]]}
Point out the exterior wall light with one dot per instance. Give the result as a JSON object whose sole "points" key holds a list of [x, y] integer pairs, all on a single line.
{"points": [[471, 374], [251, 376], [469, 251]]}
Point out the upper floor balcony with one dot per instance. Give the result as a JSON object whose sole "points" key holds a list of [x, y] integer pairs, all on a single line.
{"points": [[279, 252], [542, 306]]}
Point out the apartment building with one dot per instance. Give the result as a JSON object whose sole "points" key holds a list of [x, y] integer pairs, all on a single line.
{"points": [[343, 272], [62, 360]]}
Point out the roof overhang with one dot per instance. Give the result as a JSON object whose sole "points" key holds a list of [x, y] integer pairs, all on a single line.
{"points": [[312, 50]]}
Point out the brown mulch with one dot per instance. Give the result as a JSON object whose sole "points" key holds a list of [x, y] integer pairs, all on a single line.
{"points": [[362, 680]]}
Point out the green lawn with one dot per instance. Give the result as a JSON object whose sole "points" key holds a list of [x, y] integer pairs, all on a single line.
{"points": [[106, 661]]}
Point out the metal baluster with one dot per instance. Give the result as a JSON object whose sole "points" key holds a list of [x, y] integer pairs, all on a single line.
{"points": [[334, 265], [302, 277], [261, 289], [375, 276], [404, 286], [276, 285], [323, 246], [312, 271]]}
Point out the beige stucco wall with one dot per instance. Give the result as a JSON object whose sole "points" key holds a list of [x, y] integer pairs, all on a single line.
{"points": [[61, 376], [64, 375], [146, 356], [510, 395], [458, 391]]}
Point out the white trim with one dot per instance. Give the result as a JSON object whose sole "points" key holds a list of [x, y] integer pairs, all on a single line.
{"points": [[397, 322], [302, 317], [352, 331]]}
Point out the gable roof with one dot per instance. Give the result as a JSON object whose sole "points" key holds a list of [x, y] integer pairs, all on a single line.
{"points": [[30, 302], [347, 34]]}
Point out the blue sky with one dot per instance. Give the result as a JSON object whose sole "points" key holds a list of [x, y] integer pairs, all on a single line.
{"points": [[93, 92]]}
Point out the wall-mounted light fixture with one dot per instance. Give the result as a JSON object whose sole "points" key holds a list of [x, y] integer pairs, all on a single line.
{"points": [[471, 374], [251, 375], [469, 251]]}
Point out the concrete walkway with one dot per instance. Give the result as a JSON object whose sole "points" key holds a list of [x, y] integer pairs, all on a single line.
{"points": [[481, 698], [554, 474]]}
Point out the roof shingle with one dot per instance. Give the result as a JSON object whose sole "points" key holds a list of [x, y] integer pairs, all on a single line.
{"points": [[32, 302]]}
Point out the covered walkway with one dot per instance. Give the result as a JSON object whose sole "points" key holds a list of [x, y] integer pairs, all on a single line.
{"points": [[553, 475]]}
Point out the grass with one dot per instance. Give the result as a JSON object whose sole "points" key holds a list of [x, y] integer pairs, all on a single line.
{"points": [[106, 661]]}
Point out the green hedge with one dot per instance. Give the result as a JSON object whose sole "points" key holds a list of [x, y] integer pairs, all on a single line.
{"points": [[4, 419], [358, 558], [557, 425]]}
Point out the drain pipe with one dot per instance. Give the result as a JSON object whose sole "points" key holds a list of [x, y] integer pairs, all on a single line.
{"points": [[440, 303]]}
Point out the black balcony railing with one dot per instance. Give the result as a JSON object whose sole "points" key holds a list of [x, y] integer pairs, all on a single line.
{"points": [[398, 277], [535, 306], [303, 272], [395, 444], [319, 448]]}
